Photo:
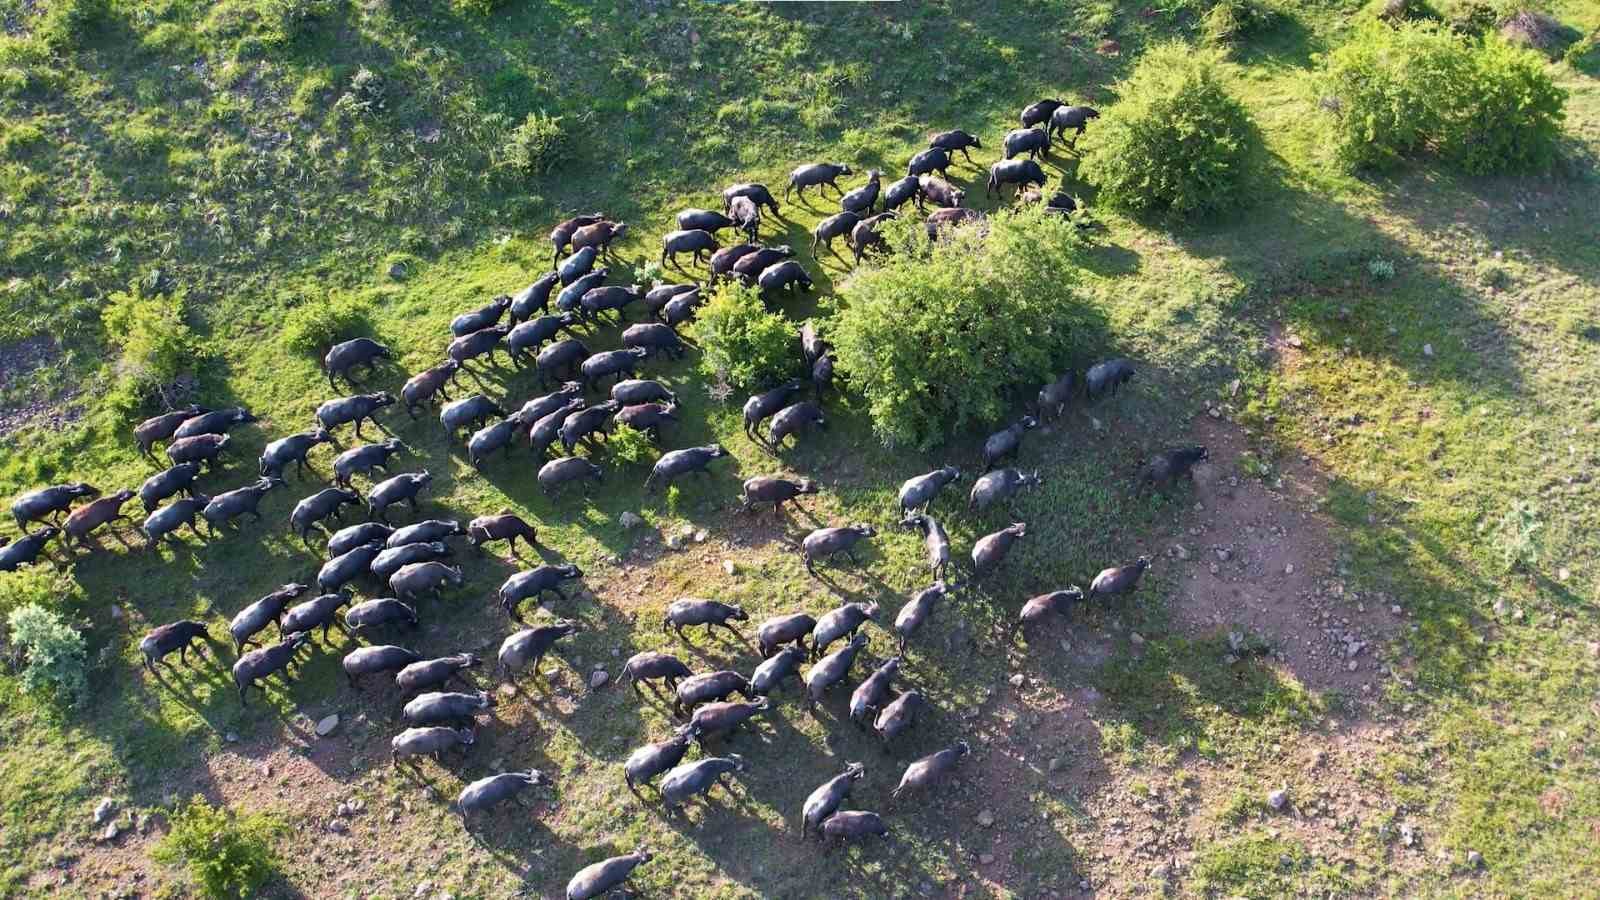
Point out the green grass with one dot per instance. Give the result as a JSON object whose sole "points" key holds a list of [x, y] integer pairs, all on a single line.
{"points": [[210, 141]]}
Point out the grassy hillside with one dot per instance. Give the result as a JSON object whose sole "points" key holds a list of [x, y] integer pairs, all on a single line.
{"points": [[1427, 436]]}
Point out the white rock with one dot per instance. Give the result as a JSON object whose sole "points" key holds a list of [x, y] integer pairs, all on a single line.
{"points": [[630, 520], [111, 832], [700, 536], [1475, 859], [327, 725], [1137, 638], [986, 819], [730, 567], [598, 678], [1279, 798], [1016, 680], [1427, 349], [103, 811]]}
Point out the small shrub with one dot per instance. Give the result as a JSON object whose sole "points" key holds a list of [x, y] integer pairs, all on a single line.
{"points": [[631, 446], [935, 337], [366, 93], [1230, 21], [1381, 269], [227, 855], [1401, 91], [67, 24], [57, 662], [1175, 140], [741, 341], [536, 146], [314, 326], [476, 7], [155, 344]]}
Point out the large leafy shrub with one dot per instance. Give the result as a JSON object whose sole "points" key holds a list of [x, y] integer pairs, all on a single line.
{"points": [[936, 337], [227, 856], [57, 663], [155, 345], [536, 146], [317, 324], [1175, 141], [1415, 88], [742, 343]]}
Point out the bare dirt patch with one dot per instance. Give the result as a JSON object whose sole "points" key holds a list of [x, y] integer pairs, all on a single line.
{"points": [[1258, 561], [18, 361], [1260, 557]]}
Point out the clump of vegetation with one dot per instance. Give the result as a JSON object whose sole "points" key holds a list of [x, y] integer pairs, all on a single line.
{"points": [[366, 94], [66, 24], [314, 326], [741, 341], [630, 446], [1230, 21], [476, 7], [936, 337], [1396, 92], [57, 663], [156, 345], [227, 855], [1381, 268], [536, 146], [1175, 141]]}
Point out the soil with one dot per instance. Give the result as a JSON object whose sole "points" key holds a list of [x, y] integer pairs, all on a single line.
{"points": [[1260, 562]]}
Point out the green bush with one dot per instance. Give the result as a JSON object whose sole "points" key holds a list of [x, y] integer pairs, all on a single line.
{"points": [[741, 342], [1175, 141], [1415, 88], [630, 446], [66, 24], [56, 659], [314, 326], [935, 338], [536, 146], [154, 342], [1230, 21], [227, 856], [476, 7]]}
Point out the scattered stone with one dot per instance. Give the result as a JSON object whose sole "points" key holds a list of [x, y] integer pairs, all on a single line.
{"points": [[1016, 680], [1408, 834], [986, 859], [266, 770], [327, 725], [1233, 387], [674, 543], [700, 536], [1279, 798], [338, 826], [729, 567], [1427, 349], [1501, 607], [1395, 610], [1137, 638], [598, 678], [1563, 573], [1236, 640], [1224, 554], [1474, 859], [1215, 568], [397, 271], [103, 811], [111, 832], [986, 819], [1288, 568], [630, 520], [231, 738], [422, 889], [1180, 551], [343, 810], [1353, 665], [116, 613], [508, 690], [1055, 764], [394, 816]]}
